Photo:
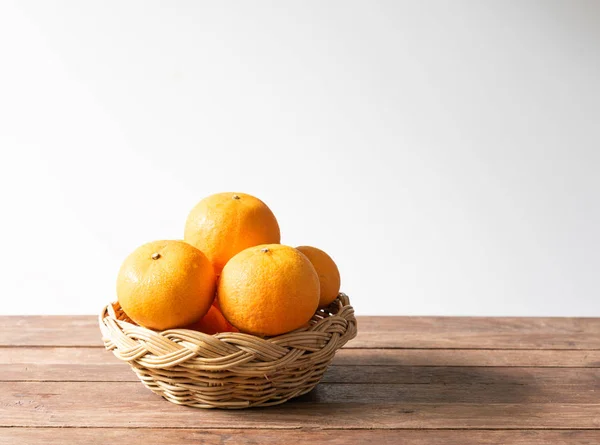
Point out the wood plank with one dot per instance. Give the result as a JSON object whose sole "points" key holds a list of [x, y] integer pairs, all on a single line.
{"points": [[166, 436], [83, 404], [94, 364], [49, 363], [478, 333], [450, 393], [50, 330], [97, 365], [585, 378], [373, 332], [468, 357]]}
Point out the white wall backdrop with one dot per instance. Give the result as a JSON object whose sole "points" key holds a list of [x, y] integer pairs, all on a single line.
{"points": [[446, 154]]}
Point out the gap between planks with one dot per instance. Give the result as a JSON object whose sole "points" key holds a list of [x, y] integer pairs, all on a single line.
{"points": [[346, 347], [290, 429]]}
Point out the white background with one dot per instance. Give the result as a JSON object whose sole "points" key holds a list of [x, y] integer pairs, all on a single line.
{"points": [[446, 154]]}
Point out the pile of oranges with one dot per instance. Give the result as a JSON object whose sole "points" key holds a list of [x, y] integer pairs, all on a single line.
{"points": [[230, 273]]}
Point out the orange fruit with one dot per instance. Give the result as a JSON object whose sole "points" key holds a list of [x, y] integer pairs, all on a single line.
{"points": [[268, 290], [224, 224], [166, 284], [212, 323], [329, 275]]}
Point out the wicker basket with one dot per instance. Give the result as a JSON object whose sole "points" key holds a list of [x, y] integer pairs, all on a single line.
{"points": [[230, 369]]}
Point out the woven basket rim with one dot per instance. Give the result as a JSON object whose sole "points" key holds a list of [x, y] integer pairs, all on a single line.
{"points": [[111, 309]]}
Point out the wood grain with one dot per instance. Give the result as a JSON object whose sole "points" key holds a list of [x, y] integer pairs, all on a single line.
{"points": [[374, 332], [468, 357], [95, 364], [98, 365], [168, 436], [409, 380], [50, 330], [477, 333], [68, 404]]}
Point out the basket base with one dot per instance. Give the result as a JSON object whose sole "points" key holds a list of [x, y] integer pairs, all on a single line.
{"points": [[220, 391]]}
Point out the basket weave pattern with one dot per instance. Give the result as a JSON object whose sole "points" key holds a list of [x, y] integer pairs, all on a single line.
{"points": [[229, 369]]}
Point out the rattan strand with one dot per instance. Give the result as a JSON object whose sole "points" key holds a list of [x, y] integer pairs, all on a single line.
{"points": [[230, 369]]}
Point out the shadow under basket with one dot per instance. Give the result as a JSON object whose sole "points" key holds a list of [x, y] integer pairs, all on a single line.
{"points": [[229, 369]]}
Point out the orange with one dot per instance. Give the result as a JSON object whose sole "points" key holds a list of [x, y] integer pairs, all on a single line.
{"points": [[224, 224], [212, 323], [329, 275], [166, 284], [268, 290]]}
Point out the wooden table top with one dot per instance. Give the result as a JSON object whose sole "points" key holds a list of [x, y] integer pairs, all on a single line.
{"points": [[409, 380]]}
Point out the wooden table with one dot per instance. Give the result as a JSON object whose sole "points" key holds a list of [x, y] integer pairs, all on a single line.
{"points": [[408, 380]]}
